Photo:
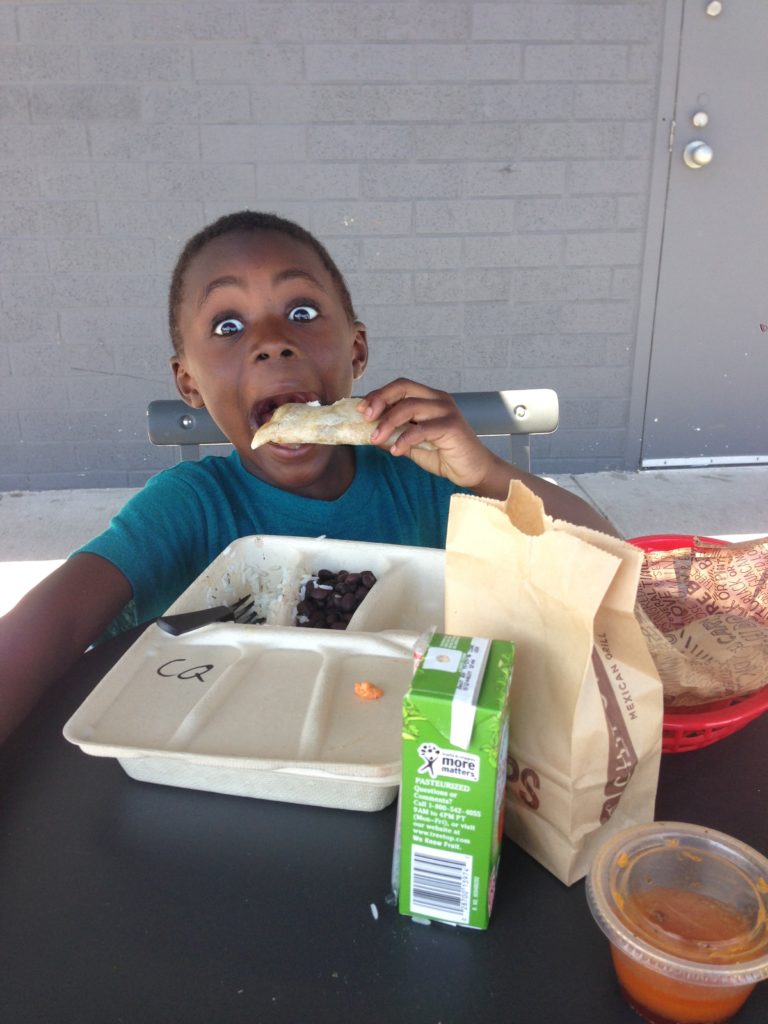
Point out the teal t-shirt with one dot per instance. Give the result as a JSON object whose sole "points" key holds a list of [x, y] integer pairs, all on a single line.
{"points": [[172, 529]]}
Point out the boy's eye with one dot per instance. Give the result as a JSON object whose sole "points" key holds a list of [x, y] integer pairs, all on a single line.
{"points": [[305, 312], [228, 326]]}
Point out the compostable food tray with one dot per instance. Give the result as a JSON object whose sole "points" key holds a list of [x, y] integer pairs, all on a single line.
{"points": [[270, 710]]}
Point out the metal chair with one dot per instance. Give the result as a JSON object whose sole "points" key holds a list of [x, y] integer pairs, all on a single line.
{"points": [[516, 414]]}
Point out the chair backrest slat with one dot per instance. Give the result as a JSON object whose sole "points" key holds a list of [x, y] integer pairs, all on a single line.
{"points": [[513, 413]]}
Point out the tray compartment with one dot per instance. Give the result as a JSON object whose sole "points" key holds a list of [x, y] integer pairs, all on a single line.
{"points": [[257, 705], [408, 594], [351, 721], [149, 697]]}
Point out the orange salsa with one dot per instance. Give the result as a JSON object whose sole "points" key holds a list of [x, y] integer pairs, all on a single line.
{"points": [[368, 691], [694, 927]]}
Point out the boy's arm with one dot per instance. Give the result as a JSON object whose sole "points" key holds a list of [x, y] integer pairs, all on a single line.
{"points": [[51, 627], [558, 502], [458, 454]]}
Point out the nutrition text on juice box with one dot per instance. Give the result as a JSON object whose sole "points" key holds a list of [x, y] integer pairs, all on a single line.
{"points": [[439, 817]]}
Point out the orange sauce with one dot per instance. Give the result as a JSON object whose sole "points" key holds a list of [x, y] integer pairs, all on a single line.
{"points": [[663, 1000], [368, 691], [694, 927]]}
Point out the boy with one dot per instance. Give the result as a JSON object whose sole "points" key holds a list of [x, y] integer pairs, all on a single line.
{"points": [[259, 316]]}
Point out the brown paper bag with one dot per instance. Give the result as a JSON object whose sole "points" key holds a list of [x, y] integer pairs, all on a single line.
{"points": [[586, 701]]}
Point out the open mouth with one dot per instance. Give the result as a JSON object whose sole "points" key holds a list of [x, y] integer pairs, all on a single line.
{"points": [[262, 411]]}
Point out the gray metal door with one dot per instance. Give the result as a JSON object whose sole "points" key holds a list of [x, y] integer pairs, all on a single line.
{"points": [[706, 401]]}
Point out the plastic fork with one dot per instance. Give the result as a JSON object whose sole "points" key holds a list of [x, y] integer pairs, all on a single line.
{"points": [[241, 611]]}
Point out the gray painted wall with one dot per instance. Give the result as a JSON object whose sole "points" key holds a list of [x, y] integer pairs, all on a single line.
{"points": [[480, 171]]}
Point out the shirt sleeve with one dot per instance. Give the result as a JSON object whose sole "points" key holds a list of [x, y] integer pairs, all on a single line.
{"points": [[156, 541]]}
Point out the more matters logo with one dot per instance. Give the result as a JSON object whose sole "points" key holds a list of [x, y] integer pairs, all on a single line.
{"points": [[450, 764]]}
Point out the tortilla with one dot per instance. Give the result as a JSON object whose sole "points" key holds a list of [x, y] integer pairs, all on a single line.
{"points": [[311, 423]]}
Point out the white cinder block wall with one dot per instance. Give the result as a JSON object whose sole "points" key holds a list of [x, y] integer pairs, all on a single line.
{"points": [[479, 170]]}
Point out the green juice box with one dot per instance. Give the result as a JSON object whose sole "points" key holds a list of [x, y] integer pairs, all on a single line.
{"points": [[455, 731]]}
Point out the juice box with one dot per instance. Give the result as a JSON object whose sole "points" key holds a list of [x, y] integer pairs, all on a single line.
{"points": [[455, 731]]}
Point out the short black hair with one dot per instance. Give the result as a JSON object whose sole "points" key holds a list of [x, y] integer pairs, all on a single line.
{"points": [[246, 220]]}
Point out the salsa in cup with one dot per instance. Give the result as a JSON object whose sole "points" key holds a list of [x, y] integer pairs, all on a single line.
{"points": [[686, 912]]}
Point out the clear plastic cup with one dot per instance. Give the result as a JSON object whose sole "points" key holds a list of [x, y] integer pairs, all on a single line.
{"points": [[686, 912]]}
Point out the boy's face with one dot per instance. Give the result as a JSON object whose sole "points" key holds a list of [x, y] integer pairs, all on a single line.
{"points": [[262, 324]]}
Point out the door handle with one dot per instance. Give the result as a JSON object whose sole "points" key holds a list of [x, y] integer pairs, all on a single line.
{"points": [[697, 154]]}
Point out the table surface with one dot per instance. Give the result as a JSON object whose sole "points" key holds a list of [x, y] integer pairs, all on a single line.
{"points": [[123, 901]]}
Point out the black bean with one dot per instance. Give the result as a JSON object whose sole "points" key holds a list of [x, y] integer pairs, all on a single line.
{"points": [[332, 598]]}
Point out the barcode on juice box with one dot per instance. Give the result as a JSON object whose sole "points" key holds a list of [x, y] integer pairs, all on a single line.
{"points": [[440, 884]]}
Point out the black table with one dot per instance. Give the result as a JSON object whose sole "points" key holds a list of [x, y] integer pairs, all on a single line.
{"points": [[126, 902]]}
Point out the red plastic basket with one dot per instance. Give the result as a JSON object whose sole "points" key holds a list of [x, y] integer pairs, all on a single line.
{"points": [[688, 729]]}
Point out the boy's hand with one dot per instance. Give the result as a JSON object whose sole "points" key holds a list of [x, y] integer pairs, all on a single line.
{"points": [[433, 416]]}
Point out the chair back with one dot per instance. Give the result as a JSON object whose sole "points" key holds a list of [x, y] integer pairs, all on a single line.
{"points": [[516, 414]]}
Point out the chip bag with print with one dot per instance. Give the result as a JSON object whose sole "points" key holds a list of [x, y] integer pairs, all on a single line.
{"points": [[586, 709]]}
